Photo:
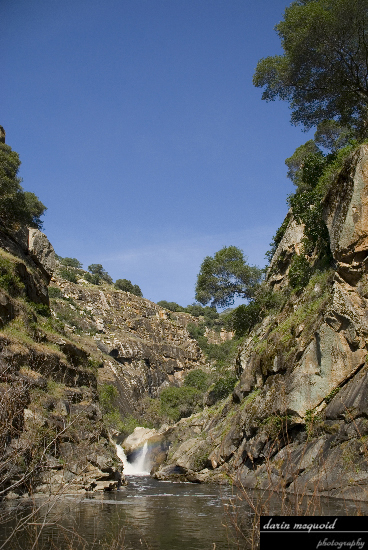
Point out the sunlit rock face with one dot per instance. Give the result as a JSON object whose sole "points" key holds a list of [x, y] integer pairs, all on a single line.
{"points": [[297, 418], [56, 363]]}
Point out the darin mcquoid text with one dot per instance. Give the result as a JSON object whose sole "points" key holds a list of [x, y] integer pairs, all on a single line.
{"points": [[283, 526]]}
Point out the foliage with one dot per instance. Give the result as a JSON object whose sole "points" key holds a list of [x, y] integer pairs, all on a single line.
{"points": [[299, 272], [243, 318], [68, 274], [224, 276], [55, 292], [332, 136], [93, 279], [108, 394], [127, 286], [277, 239], [171, 306], [197, 378], [223, 386], [9, 279], [99, 271], [323, 72], [177, 403], [71, 262], [17, 207]]}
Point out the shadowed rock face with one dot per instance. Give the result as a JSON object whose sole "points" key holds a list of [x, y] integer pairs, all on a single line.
{"points": [[297, 420]]}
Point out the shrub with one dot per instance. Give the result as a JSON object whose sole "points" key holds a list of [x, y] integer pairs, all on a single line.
{"points": [[223, 386], [67, 274], [171, 306], [9, 280], [197, 379], [93, 279], [300, 272], [177, 403], [107, 394], [71, 262], [127, 286], [98, 270], [55, 292]]}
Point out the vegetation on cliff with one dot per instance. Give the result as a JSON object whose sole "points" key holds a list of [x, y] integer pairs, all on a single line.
{"points": [[323, 72], [17, 207]]}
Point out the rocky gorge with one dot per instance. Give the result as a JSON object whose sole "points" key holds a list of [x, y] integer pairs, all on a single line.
{"points": [[71, 367], [297, 420], [77, 360]]}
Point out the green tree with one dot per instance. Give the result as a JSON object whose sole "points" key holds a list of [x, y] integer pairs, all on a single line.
{"points": [[323, 72], [171, 306], [224, 276], [99, 271], [71, 262], [17, 207], [127, 286]]}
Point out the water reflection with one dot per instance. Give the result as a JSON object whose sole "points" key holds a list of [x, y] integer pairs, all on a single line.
{"points": [[153, 515]]}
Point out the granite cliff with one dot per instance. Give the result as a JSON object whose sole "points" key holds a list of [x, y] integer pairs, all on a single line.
{"points": [[78, 359], [298, 418]]}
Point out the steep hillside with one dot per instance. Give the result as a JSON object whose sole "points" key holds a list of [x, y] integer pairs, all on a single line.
{"points": [[298, 417], [73, 367]]}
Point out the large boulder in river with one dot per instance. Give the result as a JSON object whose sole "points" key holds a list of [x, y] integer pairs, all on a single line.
{"points": [[137, 439]]}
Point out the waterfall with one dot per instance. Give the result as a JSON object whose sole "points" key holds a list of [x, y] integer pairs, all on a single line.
{"points": [[140, 466]]}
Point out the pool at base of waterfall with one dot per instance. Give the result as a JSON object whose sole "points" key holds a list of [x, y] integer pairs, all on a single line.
{"points": [[147, 514]]}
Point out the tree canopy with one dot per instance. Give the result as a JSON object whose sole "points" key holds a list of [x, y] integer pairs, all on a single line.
{"points": [[17, 207], [127, 286], [224, 276], [99, 273], [323, 73]]}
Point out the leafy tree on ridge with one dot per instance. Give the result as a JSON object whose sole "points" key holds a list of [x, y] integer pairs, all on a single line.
{"points": [[224, 276], [323, 72], [127, 286]]}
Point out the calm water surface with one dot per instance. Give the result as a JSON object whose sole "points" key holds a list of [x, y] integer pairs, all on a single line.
{"points": [[146, 514]]}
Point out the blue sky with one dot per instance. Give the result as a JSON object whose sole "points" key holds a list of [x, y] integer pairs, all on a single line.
{"points": [[139, 128]]}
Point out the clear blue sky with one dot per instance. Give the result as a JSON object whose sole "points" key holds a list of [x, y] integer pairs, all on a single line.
{"points": [[139, 128]]}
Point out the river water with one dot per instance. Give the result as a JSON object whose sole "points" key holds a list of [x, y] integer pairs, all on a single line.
{"points": [[146, 514]]}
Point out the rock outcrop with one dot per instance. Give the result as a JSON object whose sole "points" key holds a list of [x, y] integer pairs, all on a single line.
{"points": [[72, 367], [297, 419]]}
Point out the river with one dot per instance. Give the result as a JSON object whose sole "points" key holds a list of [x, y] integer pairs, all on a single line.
{"points": [[146, 514]]}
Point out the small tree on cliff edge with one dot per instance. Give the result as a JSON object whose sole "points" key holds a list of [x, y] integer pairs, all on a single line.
{"points": [[224, 276], [323, 73], [17, 207]]}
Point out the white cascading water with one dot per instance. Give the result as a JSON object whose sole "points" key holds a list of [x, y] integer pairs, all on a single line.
{"points": [[140, 466]]}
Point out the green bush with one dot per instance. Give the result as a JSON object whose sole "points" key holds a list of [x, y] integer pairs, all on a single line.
{"points": [[177, 403], [243, 318], [107, 394], [127, 286], [197, 379], [71, 262], [98, 270], [55, 292], [67, 274], [223, 387], [93, 279], [9, 280], [300, 272], [171, 306]]}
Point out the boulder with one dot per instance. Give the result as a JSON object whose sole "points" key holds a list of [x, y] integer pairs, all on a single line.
{"points": [[42, 252], [137, 439]]}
